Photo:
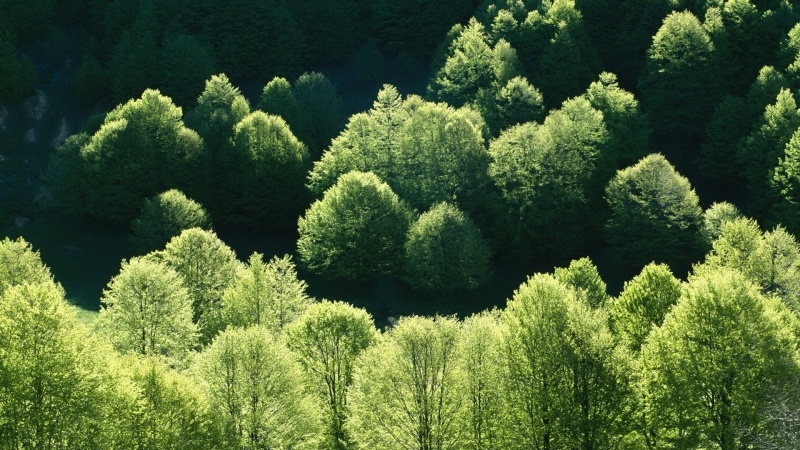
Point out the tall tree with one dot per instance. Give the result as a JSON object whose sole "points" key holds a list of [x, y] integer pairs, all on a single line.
{"points": [[148, 311], [163, 217], [329, 337], [356, 231], [407, 391], [20, 264]]}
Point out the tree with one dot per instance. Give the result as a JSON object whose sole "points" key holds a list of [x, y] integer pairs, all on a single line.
{"points": [[644, 302], [715, 217], [679, 86], [256, 391], [20, 264], [467, 69], [17, 73], [148, 311], [356, 230], [445, 251], [332, 28], [185, 66], [655, 215], [278, 99], [163, 217], [206, 267], [545, 176], [136, 56], [320, 111], [141, 149], [518, 102], [57, 388], [265, 294], [582, 277], [407, 392], [786, 182], [263, 173], [329, 337], [708, 369]]}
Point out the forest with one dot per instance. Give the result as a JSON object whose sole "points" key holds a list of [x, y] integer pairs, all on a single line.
{"points": [[399, 224]]}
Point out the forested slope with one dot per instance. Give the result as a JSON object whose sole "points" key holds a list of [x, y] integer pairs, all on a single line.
{"points": [[548, 131]]}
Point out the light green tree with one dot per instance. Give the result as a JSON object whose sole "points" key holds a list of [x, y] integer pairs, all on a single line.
{"points": [[715, 217], [148, 311], [19, 264], [655, 215], [257, 393], [709, 368], [265, 294], [644, 302], [329, 337], [207, 267], [445, 251], [407, 389], [356, 231], [163, 217], [582, 276]]}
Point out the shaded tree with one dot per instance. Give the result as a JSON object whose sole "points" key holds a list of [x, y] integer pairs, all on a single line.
{"points": [[185, 65], [163, 217]]}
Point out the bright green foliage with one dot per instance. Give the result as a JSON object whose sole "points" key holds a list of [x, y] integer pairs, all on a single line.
{"points": [[20, 264], [219, 108], [256, 392], [467, 69], [715, 217], [263, 173], [407, 389], [643, 303], [148, 311], [519, 102], [427, 152], [278, 99], [655, 215], [445, 251], [709, 368], [207, 267], [185, 66], [481, 360], [141, 149], [679, 87], [761, 151], [582, 277], [171, 409], [628, 127], [545, 174], [356, 231], [56, 389], [134, 65], [328, 338], [786, 181], [565, 383], [163, 217], [265, 294]]}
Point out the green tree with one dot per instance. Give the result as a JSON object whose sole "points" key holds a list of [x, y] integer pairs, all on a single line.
{"points": [[207, 267], [91, 83], [20, 264], [518, 102], [172, 410], [17, 72], [445, 251], [147, 310], [708, 369], [256, 391], [278, 99], [655, 216], [163, 217], [582, 277], [141, 149], [263, 174], [331, 27], [329, 337], [185, 66], [715, 217], [265, 294], [786, 181], [320, 111], [56, 386], [407, 389], [135, 58], [680, 86], [467, 69], [545, 175], [356, 230], [644, 302]]}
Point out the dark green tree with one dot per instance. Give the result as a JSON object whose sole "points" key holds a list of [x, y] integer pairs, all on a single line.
{"points": [[444, 251], [17, 74], [185, 66], [163, 217], [356, 230], [320, 111], [655, 216], [278, 99], [135, 59]]}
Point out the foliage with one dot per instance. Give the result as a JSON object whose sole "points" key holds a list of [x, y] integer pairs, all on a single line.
{"points": [[163, 217], [582, 277], [445, 251], [185, 65], [356, 230], [655, 215], [715, 217], [207, 267], [148, 311], [256, 393], [20, 264], [264, 294], [329, 337], [406, 391], [709, 367]]}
